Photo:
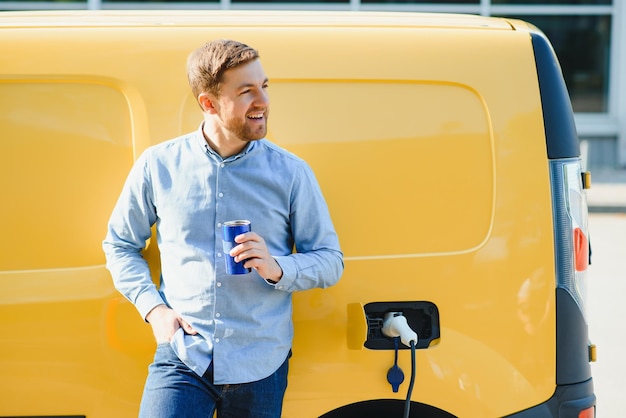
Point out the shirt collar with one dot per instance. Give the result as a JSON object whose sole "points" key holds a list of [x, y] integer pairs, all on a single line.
{"points": [[213, 154]]}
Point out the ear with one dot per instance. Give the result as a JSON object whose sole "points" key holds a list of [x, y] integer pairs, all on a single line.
{"points": [[206, 102]]}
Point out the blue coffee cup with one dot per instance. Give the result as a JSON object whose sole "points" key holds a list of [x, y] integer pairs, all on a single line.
{"points": [[230, 230]]}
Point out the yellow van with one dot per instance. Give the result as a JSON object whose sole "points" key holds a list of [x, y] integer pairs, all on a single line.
{"points": [[445, 146]]}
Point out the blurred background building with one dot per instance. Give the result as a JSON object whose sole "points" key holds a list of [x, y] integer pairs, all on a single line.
{"points": [[589, 37]]}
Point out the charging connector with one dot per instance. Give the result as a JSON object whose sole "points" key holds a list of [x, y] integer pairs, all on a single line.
{"points": [[395, 325]]}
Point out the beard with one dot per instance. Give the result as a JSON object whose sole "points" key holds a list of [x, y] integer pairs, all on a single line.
{"points": [[247, 130]]}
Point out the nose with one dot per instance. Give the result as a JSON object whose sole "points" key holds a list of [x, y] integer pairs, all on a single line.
{"points": [[262, 99]]}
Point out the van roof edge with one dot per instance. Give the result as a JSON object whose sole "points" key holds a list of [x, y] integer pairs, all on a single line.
{"points": [[125, 18]]}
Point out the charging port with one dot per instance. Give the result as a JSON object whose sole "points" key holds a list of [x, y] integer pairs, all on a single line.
{"points": [[421, 316]]}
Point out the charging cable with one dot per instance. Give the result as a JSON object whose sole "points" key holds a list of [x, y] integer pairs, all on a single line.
{"points": [[407, 403], [396, 326]]}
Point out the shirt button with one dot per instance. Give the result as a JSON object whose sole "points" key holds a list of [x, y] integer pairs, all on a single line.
{"points": [[219, 224], [219, 284], [220, 194], [219, 254], [217, 315], [217, 340], [222, 165]]}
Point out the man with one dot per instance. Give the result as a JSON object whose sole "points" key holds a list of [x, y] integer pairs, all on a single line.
{"points": [[223, 341]]}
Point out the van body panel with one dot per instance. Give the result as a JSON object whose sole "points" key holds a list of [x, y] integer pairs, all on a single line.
{"points": [[431, 153], [403, 136], [63, 139]]}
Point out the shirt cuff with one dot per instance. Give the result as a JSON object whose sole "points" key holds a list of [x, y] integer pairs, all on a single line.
{"points": [[290, 271], [147, 301]]}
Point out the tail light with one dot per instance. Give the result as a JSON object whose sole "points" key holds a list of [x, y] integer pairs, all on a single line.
{"points": [[581, 250], [571, 223], [587, 413]]}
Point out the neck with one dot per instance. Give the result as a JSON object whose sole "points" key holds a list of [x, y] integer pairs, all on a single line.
{"points": [[225, 147]]}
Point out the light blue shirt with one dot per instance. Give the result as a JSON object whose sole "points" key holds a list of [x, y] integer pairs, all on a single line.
{"points": [[244, 322]]}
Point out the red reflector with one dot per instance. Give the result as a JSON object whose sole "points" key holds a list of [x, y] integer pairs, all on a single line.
{"points": [[581, 250], [587, 413]]}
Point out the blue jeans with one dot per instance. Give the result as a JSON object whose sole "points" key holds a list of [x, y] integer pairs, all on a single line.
{"points": [[172, 390]]}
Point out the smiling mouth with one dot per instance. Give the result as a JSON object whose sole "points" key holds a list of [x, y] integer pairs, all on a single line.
{"points": [[256, 116]]}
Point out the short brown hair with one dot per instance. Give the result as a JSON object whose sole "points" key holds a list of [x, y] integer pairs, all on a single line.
{"points": [[207, 64]]}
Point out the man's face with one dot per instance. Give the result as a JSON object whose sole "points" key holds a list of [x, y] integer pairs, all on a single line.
{"points": [[243, 103]]}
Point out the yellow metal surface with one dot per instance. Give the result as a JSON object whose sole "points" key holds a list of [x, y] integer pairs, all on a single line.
{"points": [[430, 152]]}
